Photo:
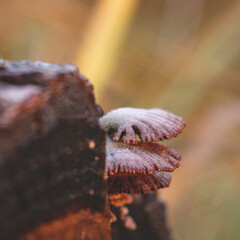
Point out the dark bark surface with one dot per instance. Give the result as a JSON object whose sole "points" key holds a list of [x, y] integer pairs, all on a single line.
{"points": [[52, 150], [149, 214]]}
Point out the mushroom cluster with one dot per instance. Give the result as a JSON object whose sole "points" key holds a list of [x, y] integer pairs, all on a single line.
{"points": [[134, 163]]}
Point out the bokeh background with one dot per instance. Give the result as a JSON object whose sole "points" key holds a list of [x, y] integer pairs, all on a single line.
{"points": [[180, 55]]}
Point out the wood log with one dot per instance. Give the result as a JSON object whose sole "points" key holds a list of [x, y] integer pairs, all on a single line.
{"points": [[52, 154]]}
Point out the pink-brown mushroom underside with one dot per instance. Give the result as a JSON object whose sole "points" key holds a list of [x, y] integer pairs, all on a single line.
{"points": [[150, 125], [137, 183], [139, 158]]}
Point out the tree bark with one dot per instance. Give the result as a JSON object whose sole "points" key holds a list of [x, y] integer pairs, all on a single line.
{"points": [[52, 154]]}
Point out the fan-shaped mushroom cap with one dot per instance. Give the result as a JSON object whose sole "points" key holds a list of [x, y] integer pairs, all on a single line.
{"points": [[119, 199], [138, 183], [151, 125], [139, 158]]}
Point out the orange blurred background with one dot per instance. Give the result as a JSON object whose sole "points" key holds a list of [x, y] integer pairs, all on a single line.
{"points": [[180, 55]]}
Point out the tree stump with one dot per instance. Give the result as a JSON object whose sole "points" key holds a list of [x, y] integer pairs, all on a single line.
{"points": [[52, 154], [52, 161]]}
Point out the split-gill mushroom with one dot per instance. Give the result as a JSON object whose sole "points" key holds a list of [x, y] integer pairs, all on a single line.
{"points": [[153, 125], [135, 165]]}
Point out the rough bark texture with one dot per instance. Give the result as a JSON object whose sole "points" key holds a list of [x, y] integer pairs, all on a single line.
{"points": [[149, 214], [52, 154]]}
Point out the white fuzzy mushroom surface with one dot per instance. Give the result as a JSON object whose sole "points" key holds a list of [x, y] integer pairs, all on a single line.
{"points": [[131, 125], [143, 158]]}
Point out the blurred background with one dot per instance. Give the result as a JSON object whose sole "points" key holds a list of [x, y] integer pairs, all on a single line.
{"points": [[179, 55]]}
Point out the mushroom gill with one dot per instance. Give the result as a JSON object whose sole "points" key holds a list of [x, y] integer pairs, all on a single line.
{"points": [[137, 183], [137, 169]]}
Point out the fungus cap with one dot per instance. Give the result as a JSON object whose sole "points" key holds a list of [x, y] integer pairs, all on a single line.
{"points": [[143, 158], [119, 199], [131, 125]]}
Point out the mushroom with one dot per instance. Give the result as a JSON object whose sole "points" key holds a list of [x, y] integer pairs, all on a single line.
{"points": [[119, 199], [137, 183], [130, 125], [137, 169], [139, 158], [135, 165]]}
